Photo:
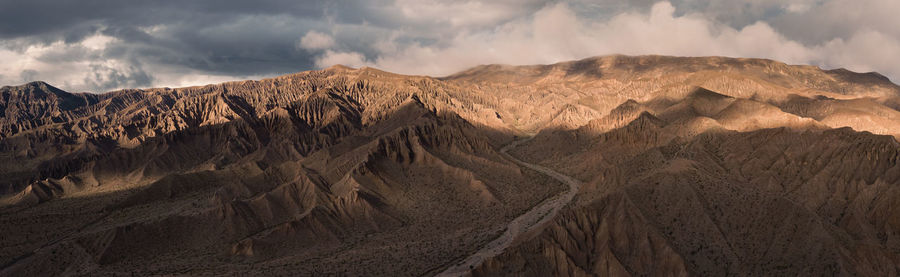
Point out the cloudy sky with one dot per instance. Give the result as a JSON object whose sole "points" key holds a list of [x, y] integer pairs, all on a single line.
{"points": [[101, 45]]}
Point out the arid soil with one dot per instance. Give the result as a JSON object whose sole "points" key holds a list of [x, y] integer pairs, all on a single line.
{"points": [[646, 165], [525, 223]]}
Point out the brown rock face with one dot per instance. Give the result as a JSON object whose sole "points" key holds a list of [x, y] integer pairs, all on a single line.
{"points": [[685, 166]]}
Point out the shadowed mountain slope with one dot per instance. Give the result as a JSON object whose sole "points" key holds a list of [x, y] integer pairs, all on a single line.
{"points": [[687, 166]]}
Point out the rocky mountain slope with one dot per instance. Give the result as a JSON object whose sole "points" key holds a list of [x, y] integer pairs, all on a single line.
{"points": [[689, 166]]}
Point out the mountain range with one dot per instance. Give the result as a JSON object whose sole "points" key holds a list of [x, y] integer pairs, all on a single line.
{"points": [[606, 166]]}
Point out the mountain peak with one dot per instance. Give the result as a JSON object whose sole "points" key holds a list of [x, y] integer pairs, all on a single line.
{"points": [[38, 88], [339, 67], [704, 93], [37, 84]]}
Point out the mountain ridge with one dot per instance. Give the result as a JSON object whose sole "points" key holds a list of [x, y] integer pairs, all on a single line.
{"points": [[305, 173]]}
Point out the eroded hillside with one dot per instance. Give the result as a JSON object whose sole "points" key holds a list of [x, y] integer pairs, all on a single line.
{"points": [[690, 166]]}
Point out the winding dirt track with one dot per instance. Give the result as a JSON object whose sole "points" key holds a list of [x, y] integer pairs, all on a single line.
{"points": [[531, 219]]}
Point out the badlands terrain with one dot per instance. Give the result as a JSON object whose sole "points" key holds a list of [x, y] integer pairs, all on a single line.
{"points": [[607, 166]]}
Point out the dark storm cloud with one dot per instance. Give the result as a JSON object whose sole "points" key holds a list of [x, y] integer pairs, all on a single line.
{"points": [[206, 37], [251, 44], [217, 37], [100, 45], [224, 36], [67, 19]]}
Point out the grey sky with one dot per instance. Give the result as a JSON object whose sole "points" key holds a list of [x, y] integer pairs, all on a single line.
{"points": [[100, 45]]}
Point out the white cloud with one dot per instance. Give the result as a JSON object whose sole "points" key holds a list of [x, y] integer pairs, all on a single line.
{"points": [[97, 42], [826, 20], [26, 61], [81, 66], [557, 33], [864, 51], [351, 59], [797, 7], [314, 41]]}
